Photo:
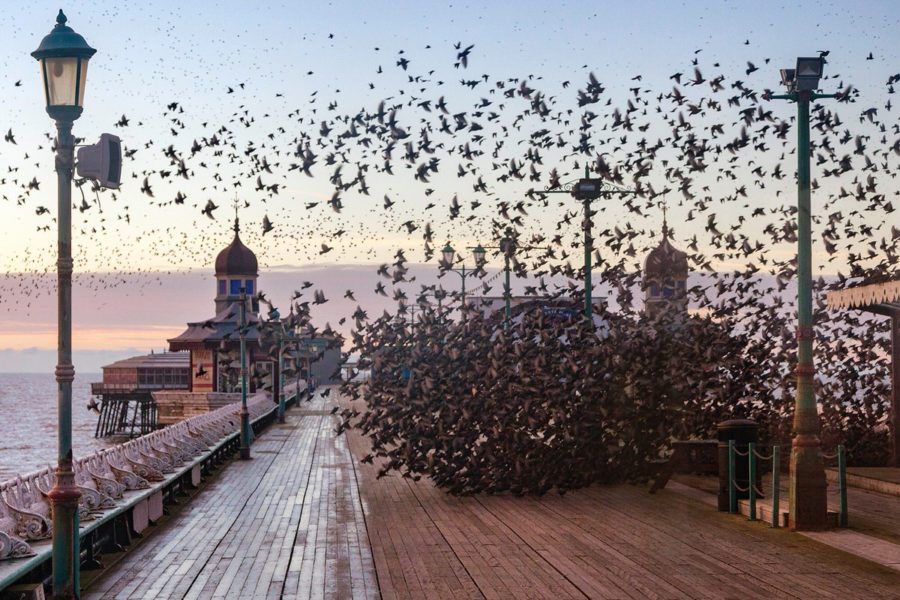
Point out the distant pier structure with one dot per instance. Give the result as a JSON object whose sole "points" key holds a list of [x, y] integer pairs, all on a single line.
{"points": [[126, 392]]}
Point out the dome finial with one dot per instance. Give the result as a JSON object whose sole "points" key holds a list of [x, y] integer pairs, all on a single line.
{"points": [[61, 18], [237, 224], [665, 227]]}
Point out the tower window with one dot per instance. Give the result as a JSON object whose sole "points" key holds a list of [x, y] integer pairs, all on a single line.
{"points": [[235, 287], [221, 287], [654, 289], [249, 285]]}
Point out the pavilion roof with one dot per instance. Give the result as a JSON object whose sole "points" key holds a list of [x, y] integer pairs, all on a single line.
{"points": [[224, 326], [882, 297]]}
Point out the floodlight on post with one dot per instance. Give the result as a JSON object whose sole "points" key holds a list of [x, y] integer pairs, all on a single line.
{"points": [[808, 73], [586, 190], [787, 78], [808, 486]]}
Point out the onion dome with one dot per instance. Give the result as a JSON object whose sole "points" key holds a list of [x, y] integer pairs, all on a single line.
{"points": [[236, 258], [666, 261]]}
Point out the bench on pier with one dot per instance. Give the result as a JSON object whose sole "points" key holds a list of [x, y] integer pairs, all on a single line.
{"points": [[112, 529]]}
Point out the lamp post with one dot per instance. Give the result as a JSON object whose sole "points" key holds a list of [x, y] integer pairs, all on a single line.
{"points": [[279, 334], [449, 258], [508, 247], [808, 500], [63, 56], [245, 414], [588, 189]]}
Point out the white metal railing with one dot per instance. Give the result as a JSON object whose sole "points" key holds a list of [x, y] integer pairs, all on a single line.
{"points": [[105, 475]]}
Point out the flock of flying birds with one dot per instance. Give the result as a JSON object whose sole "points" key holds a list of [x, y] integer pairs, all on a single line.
{"points": [[469, 158]]}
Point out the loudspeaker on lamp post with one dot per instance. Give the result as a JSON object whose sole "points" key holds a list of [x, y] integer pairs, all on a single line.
{"points": [[102, 162]]}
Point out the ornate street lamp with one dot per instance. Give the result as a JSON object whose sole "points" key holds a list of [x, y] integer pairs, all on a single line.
{"points": [[808, 500], [508, 246], [63, 56], [480, 255], [449, 254], [450, 258]]}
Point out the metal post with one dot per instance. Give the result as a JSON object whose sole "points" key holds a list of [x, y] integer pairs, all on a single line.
{"points": [[588, 251], [65, 494], [776, 485], [281, 377], [842, 485], [463, 305], [895, 389], [245, 414], [751, 459], [732, 492], [808, 501], [507, 292]]}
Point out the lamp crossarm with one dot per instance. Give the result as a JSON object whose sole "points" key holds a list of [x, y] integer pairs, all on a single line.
{"points": [[793, 96], [608, 189]]}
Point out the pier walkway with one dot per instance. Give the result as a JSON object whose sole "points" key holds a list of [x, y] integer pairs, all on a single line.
{"points": [[304, 519]]}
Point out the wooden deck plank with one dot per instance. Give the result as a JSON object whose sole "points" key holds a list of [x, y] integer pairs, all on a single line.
{"points": [[305, 519]]}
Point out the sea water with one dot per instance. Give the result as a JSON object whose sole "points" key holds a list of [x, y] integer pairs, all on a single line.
{"points": [[28, 422]]}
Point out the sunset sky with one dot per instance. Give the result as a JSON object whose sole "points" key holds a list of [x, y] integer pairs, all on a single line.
{"points": [[282, 57]]}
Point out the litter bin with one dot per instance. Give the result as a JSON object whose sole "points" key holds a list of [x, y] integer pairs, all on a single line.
{"points": [[742, 431]]}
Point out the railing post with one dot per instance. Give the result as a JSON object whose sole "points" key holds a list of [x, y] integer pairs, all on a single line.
{"points": [[842, 485], [776, 485], [732, 492], [751, 458]]}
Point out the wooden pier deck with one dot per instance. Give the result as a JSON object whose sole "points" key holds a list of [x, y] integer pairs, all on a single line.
{"points": [[305, 520]]}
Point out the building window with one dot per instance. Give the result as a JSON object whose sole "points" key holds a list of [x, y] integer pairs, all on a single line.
{"points": [[221, 287], [654, 290], [249, 284], [235, 287]]}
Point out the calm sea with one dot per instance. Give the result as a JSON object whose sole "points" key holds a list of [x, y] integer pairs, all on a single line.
{"points": [[28, 421]]}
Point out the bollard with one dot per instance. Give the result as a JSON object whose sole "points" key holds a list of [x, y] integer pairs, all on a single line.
{"points": [[741, 431], [751, 457], [776, 491], [842, 485], [732, 492]]}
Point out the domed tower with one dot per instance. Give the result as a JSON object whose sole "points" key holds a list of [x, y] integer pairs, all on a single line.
{"points": [[236, 267], [665, 279]]}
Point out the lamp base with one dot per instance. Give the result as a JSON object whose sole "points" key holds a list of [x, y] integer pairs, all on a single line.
{"points": [[808, 487]]}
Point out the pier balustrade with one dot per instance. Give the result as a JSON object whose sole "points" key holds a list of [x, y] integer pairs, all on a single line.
{"points": [[123, 488]]}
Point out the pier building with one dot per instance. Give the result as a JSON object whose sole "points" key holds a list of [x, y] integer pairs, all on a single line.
{"points": [[665, 279], [213, 344], [125, 394]]}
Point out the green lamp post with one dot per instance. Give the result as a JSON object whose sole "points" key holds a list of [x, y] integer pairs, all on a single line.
{"points": [[508, 246], [246, 433], [63, 56], [587, 190], [808, 487], [508, 249], [275, 316], [449, 255]]}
